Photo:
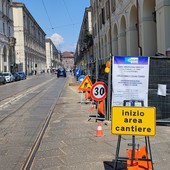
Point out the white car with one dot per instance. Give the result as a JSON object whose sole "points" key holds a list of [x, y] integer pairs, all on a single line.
{"points": [[8, 76]]}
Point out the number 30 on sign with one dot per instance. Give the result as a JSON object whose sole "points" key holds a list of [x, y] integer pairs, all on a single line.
{"points": [[99, 91]]}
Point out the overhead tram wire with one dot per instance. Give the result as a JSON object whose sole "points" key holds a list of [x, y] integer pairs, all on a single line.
{"points": [[69, 16], [60, 26], [68, 12], [48, 16]]}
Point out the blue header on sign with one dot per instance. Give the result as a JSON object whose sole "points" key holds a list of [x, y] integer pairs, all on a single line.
{"points": [[142, 60]]}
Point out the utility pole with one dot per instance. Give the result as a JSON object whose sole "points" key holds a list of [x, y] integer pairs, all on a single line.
{"points": [[109, 74], [99, 46], [139, 46], [110, 27]]}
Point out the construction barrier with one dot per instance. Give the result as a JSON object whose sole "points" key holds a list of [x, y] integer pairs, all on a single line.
{"points": [[140, 161], [101, 108], [87, 95]]}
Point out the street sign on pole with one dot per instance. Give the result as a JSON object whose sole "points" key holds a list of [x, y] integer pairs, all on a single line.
{"points": [[99, 91], [80, 79]]}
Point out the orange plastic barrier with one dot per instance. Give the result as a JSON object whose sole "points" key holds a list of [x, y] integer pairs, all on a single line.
{"points": [[101, 108], [87, 95], [138, 164]]}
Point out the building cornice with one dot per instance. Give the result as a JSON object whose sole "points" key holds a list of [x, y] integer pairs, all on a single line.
{"points": [[22, 5]]}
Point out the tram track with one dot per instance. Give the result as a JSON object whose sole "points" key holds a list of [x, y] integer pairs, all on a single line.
{"points": [[13, 98], [29, 97], [29, 161], [9, 101]]}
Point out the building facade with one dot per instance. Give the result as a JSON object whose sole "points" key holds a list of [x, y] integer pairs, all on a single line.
{"points": [[68, 60], [84, 59], [53, 56], [30, 41], [7, 40], [133, 28], [128, 27]]}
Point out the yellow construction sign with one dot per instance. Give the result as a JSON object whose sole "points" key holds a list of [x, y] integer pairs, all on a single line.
{"points": [[86, 84], [133, 121]]}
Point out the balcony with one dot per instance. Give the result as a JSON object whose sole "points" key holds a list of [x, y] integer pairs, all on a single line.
{"points": [[3, 38], [12, 41]]}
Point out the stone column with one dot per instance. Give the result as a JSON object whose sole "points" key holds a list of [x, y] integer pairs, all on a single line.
{"points": [[122, 49], [1, 49], [132, 39], [163, 25]]}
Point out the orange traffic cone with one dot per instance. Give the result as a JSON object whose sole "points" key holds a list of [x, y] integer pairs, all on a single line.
{"points": [[99, 131], [92, 107]]}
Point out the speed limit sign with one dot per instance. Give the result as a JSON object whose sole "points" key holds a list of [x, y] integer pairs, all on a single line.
{"points": [[99, 91]]}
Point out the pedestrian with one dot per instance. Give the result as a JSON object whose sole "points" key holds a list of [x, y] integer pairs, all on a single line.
{"points": [[32, 71]]}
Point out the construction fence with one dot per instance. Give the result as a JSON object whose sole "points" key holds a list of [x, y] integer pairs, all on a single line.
{"points": [[159, 73]]}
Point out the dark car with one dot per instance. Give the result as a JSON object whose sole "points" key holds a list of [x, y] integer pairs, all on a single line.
{"points": [[17, 77], [2, 79], [61, 72], [22, 75]]}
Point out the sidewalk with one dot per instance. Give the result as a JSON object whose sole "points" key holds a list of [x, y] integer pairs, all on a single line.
{"points": [[70, 142]]}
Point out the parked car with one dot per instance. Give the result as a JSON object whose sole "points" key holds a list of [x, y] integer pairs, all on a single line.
{"points": [[61, 72], [2, 79], [67, 69], [8, 76], [22, 75], [17, 77]]}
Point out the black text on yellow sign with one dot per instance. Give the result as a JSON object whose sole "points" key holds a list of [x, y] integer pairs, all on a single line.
{"points": [[133, 121]]}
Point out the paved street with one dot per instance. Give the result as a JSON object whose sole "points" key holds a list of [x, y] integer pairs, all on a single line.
{"points": [[24, 109], [70, 142]]}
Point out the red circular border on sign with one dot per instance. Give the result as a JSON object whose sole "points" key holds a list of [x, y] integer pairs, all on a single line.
{"points": [[94, 85]]}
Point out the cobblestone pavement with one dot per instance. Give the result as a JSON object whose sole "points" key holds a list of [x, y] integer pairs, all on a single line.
{"points": [[70, 142]]}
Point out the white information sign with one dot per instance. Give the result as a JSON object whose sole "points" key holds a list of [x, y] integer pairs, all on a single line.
{"points": [[130, 79], [161, 89]]}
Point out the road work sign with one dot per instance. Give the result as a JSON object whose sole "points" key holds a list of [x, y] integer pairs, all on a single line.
{"points": [[133, 121], [86, 84]]}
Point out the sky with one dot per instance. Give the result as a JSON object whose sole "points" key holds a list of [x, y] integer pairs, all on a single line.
{"points": [[60, 19]]}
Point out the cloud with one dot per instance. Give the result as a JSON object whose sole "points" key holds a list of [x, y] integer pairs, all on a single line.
{"points": [[57, 39]]}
